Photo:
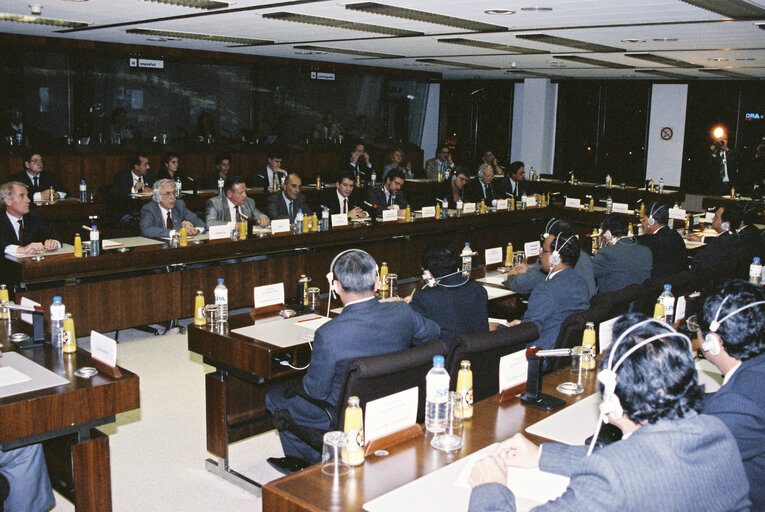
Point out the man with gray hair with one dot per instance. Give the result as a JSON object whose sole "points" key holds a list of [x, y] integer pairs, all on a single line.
{"points": [[366, 327], [163, 216], [23, 231], [480, 188]]}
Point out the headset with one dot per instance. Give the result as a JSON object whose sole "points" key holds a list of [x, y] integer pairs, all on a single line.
{"points": [[431, 281], [654, 210], [610, 404], [156, 195], [555, 256], [550, 224], [712, 342], [331, 274]]}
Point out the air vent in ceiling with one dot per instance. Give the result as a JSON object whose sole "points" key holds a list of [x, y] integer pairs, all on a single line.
{"points": [[571, 43], [660, 72], [662, 60], [18, 18], [344, 24], [424, 16], [456, 64], [361, 53], [736, 9], [194, 4], [593, 62], [490, 46], [201, 37], [724, 72]]}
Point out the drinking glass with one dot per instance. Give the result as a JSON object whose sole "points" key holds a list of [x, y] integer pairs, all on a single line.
{"points": [[331, 455]]}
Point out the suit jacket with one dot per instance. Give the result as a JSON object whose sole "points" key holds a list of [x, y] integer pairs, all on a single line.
{"points": [[45, 180], [276, 208], [431, 168], [662, 466], [30, 488], [622, 264], [474, 192], [376, 195], [444, 189], [740, 404], [359, 166], [668, 252], [123, 182], [505, 188], [459, 310], [750, 239], [330, 200], [259, 179], [525, 283], [35, 230], [363, 329], [717, 249], [714, 170], [552, 301], [218, 213], [153, 223]]}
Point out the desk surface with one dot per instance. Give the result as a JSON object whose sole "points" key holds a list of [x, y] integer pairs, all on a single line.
{"points": [[312, 490]]}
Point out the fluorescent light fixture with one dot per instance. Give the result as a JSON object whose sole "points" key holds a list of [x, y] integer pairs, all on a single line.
{"points": [[593, 62], [19, 18], [499, 12], [424, 16], [571, 43], [455, 64], [536, 9], [344, 24], [200, 37], [665, 39], [633, 40], [736, 9], [490, 46], [724, 72], [361, 53], [662, 60], [660, 72], [195, 4], [530, 73]]}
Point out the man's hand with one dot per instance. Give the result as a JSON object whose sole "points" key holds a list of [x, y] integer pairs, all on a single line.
{"points": [[366, 158], [517, 451], [487, 471], [521, 268], [355, 156], [356, 213], [50, 245], [33, 248], [139, 186], [514, 323], [449, 158], [190, 229], [262, 220]]}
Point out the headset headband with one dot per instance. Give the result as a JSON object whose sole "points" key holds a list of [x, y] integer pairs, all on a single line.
{"points": [[550, 224], [656, 208], [715, 324]]}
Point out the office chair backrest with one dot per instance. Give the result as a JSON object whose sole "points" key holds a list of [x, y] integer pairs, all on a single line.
{"points": [[572, 329], [617, 302]]}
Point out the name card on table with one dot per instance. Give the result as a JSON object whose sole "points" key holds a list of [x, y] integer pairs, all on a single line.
{"points": [[468, 208], [605, 333], [428, 212], [339, 219], [677, 213], [531, 201], [268, 295], [27, 317], [389, 215], [513, 370], [620, 208], [501, 204], [572, 202], [493, 255], [280, 226], [103, 349], [390, 414], [709, 217], [221, 231], [532, 249]]}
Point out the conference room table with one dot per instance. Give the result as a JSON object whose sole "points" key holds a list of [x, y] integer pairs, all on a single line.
{"points": [[311, 490], [64, 418]]}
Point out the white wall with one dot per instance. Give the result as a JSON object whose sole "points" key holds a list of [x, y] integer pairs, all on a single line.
{"points": [[665, 157], [430, 125], [534, 111]]}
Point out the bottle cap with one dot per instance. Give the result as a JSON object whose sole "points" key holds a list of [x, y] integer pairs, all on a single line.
{"points": [[590, 325], [353, 401], [465, 365], [756, 260], [56, 299], [667, 287], [438, 360], [220, 280]]}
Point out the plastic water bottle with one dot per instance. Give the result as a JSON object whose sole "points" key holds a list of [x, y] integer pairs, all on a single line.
{"points": [[444, 208], [609, 206], [57, 317], [609, 181], [661, 185], [325, 219], [755, 272], [436, 395], [83, 191], [221, 303], [467, 260], [178, 186], [669, 303], [299, 221], [221, 183], [460, 205], [95, 241], [373, 178]]}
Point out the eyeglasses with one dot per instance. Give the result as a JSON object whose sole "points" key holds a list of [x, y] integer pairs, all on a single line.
{"points": [[692, 323]]}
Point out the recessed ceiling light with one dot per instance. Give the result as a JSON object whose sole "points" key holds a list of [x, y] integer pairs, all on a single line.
{"points": [[536, 9], [717, 59], [745, 58], [664, 39], [309, 52], [633, 40], [499, 12]]}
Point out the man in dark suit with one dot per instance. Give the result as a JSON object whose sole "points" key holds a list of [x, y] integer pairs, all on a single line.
{"points": [[481, 188], [723, 245], [23, 231], [343, 198], [749, 237], [222, 166], [165, 215], [453, 189], [441, 165], [286, 203], [667, 452], [563, 292], [737, 349], [37, 180], [358, 162], [514, 183], [264, 178], [389, 195], [366, 327], [622, 261], [723, 168], [456, 303], [667, 246], [234, 206], [135, 180]]}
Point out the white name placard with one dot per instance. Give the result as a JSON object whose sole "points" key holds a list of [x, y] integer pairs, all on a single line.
{"points": [[221, 231], [389, 215], [709, 217], [280, 226], [390, 414], [468, 208], [27, 317], [103, 349], [620, 208], [428, 212], [268, 295], [532, 249], [493, 255], [572, 202], [339, 219], [677, 213], [501, 204], [605, 332], [531, 201], [513, 369]]}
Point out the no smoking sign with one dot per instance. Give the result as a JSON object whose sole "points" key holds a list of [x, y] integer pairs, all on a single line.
{"points": [[666, 133]]}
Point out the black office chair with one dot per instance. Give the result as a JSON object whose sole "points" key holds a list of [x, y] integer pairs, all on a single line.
{"points": [[483, 350], [572, 328], [617, 302], [368, 378]]}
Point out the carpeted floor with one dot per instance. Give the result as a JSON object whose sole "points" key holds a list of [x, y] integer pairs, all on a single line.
{"points": [[158, 452]]}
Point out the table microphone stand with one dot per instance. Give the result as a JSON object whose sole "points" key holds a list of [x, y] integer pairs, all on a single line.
{"points": [[533, 395]]}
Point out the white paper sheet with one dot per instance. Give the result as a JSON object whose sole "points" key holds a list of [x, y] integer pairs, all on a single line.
{"points": [[495, 293], [493, 279], [573, 425], [10, 376]]}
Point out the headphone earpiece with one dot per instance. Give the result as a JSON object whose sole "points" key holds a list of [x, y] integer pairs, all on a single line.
{"points": [[654, 210], [712, 341], [651, 221], [555, 256], [711, 344], [610, 404], [725, 226]]}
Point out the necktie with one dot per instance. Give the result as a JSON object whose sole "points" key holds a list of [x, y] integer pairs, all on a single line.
{"points": [[489, 193], [21, 233], [292, 216], [390, 199], [724, 169], [37, 182], [345, 205], [238, 214], [169, 221]]}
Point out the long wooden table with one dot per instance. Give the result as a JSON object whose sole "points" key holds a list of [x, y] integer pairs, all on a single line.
{"points": [[64, 419], [313, 491]]}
